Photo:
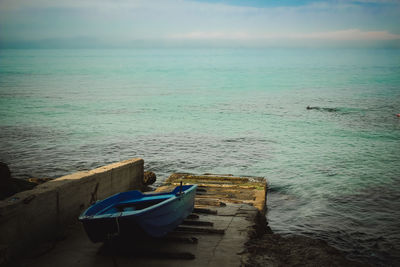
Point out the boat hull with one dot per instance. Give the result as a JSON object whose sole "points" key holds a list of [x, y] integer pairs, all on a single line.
{"points": [[155, 220]]}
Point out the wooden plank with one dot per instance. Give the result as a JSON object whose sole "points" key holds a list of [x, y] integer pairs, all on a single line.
{"points": [[153, 254], [180, 239], [209, 202], [199, 223], [193, 217], [197, 230], [204, 210], [222, 185]]}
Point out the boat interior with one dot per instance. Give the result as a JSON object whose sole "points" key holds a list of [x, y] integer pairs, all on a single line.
{"points": [[133, 200], [136, 204]]}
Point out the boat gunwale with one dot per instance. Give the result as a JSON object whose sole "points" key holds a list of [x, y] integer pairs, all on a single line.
{"points": [[135, 213]]}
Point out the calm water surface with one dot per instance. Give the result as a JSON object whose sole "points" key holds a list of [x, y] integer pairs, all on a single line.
{"points": [[333, 172]]}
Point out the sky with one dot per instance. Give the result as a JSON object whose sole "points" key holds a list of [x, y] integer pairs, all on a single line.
{"points": [[198, 23]]}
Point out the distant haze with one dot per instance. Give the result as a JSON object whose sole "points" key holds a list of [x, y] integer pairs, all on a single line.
{"points": [[206, 23]]}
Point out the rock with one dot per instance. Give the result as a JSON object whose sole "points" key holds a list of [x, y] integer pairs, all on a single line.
{"points": [[274, 250], [323, 109], [9, 186], [5, 175], [149, 178]]}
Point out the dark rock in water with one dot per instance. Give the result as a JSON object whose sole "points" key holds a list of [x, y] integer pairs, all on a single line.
{"points": [[317, 108], [323, 109], [149, 178], [9, 186], [5, 175]]}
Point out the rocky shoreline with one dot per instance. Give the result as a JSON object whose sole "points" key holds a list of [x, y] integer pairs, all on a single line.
{"points": [[266, 248], [275, 250]]}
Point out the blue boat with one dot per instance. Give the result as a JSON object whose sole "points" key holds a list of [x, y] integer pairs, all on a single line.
{"points": [[134, 214]]}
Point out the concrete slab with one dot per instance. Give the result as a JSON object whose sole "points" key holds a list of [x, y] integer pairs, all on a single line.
{"points": [[211, 249], [219, 244]]}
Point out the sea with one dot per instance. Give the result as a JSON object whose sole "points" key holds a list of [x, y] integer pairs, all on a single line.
{"points": [[333, 170]]}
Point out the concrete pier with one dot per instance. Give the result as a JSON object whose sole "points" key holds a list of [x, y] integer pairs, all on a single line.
{"points": [[225, 189], [42, 214], [229, 211]]}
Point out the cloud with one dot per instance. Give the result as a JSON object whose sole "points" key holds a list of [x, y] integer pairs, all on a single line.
{"points": [[212, 35], [350, 35], [121, 22], [353, 34]]}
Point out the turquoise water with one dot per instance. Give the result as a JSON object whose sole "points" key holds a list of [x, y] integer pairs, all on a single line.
{"points": [[333, 172]]}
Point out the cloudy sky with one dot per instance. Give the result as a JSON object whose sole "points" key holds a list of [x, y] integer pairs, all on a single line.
{"points": [[253, 23]]}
